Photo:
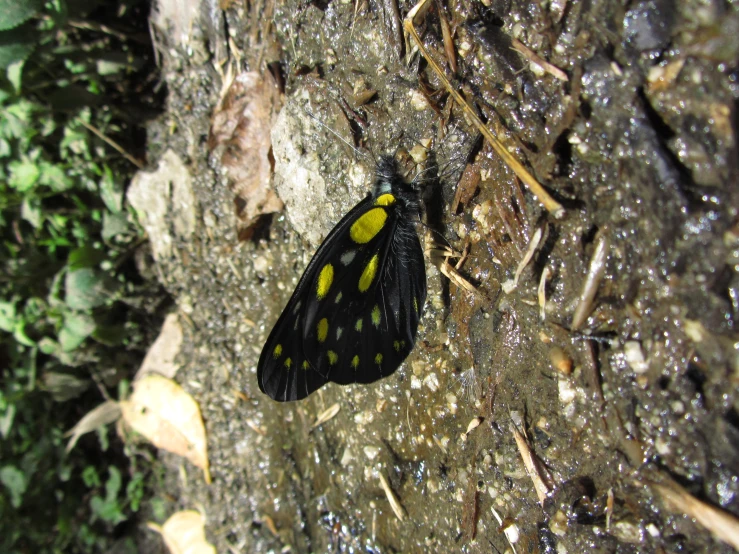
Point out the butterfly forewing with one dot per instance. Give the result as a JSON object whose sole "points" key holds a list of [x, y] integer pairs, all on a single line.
{"points": [[354, 314]]}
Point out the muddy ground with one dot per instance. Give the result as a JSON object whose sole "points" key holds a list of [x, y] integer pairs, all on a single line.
{"points": [[623, 403]]}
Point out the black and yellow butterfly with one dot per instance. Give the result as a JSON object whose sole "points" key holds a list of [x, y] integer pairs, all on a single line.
{"points": [[354, 315]]}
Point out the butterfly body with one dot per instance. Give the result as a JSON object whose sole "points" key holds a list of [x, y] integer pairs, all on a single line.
{"points": [[354, 315]]}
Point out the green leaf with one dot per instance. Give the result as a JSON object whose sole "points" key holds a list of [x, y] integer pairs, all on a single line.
{"points": [[19, 334], [158, 508], [15, 481], [7, 316], [14, 73], [13, 12], [48, 346], [6, 421], [86, 288], [85, 256], [135, 490], [113, 484], [16, 44], [108, 509], [31, 211], [77, 327], [111, 191], [102, 432], [114, 225], [74, 142], [55, 290], [90, 477], [34, 309], [24, 174], [54, 177]]}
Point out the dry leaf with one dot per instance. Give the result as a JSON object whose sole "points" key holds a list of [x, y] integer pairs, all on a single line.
{"points": [[723, 525], [160, 410], [325, 415], [107, 412], [242, 122], [160, 357], [184, 533]]}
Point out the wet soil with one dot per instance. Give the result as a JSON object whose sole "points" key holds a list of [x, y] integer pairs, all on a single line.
{"points": [[640, 388]]}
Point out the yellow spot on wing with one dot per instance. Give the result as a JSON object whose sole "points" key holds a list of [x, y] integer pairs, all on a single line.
{"points": [[385, 200], [355, 362], [322, 330], [305, 364], [368, 225], [378, 359], [339, 297], [325, 278], [368, 275], [277, 352], [375, 316], [333, 357], [288, 363], [358, 324]]}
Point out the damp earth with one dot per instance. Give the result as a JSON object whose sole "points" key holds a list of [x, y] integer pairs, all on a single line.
{"points": [[600, 345]]}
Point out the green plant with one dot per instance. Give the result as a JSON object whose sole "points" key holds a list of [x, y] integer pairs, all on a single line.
{"points": [[74, 313]]}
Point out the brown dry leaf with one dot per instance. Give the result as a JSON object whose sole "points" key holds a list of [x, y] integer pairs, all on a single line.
{"points": [[723, 525], [242, 122], [184, 533], [160, 357], [160, 410], [107, 412], [326, 415], [467, 187]]}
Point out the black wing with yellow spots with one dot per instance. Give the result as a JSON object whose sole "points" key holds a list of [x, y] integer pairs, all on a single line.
{"points": [[354, 314]]}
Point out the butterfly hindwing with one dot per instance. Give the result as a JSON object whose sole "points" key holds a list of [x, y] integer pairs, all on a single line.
{"points": [[354, 314]]}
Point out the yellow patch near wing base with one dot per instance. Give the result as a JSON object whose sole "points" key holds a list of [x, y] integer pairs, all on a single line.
{"points": [[385, 200], [368, 225]]}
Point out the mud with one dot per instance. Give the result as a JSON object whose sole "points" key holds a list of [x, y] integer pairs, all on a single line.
{"points": [[638, 145]]}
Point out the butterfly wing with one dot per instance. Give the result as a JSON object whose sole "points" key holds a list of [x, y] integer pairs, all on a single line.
{"points": [[281, 371], [371, 331], [354, 314]]}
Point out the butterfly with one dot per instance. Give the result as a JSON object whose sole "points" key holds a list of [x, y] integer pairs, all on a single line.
{"points": [[354, 315]]}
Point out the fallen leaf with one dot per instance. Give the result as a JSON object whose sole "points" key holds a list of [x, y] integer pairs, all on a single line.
{"points": [[242, 123], [184, 533], [723, 525], [325, 415], [160, 410], [107, 412], [161, 356]]}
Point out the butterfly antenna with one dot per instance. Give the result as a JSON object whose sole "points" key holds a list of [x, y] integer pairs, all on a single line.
{"points": [[357, 152]]}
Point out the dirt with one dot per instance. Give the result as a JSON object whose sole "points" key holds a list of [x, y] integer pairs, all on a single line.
{"points": [[637, 391]]}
